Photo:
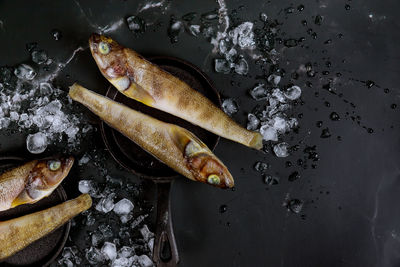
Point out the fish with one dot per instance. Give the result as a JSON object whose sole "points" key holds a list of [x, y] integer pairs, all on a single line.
{"points": [[32, 181], [139, 79], [18, 233], [173, 145]]}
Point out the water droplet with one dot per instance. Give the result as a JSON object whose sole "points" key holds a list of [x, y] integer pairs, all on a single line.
{"points": [[288, 164], [290, 42], [57, 35], [370, 130], [325, 133], [347, 7], [294, 176], [136, 25], [393, 106], [289, 10], [386, 90], [319, 124], [300, 8], [314, 35], [223, 208], [318, 20], [327, 104], [295, 205], [334, 116], [369, 84], [304, 22], [270, 180], [329, 41], [325, 72]]}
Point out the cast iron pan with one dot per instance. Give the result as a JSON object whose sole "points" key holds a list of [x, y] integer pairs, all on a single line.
{"points": [[141, 163], [45, 250]]}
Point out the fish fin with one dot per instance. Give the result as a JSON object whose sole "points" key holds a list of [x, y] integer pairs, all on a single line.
{"points": [[22, 198], [138, 93], [182, 137]]}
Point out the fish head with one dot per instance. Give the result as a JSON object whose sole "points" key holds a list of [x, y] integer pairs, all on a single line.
{"points": [[206, 167], [47, 175], [108, 55]]}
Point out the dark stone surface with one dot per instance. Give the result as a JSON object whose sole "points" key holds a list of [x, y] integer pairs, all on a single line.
{"points": [[350, 215]]}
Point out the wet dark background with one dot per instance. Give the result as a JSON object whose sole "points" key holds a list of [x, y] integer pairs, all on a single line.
{"points": [[350, 215]]}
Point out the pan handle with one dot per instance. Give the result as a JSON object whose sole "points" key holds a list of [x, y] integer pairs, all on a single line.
{"points": [[165, 253]]}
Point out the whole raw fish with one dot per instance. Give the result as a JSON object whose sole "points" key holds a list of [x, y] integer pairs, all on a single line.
{"points": [[143, 81], [32, 181], [18, 233], [171, 144]]}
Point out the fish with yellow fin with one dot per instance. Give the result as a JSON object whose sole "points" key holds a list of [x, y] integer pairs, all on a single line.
{"points": [[18, 233], [32, 181], [173, 145], [145, 82]]}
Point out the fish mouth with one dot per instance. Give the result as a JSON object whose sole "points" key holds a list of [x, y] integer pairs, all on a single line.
{"points": [[68, 163], [94, 40]]}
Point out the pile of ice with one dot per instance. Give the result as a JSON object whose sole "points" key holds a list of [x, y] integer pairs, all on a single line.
{"points": [[229, 47], [273, 121], [31, 104], [115, 226]]}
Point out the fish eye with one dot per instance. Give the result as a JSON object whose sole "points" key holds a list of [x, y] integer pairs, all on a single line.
{"points": [[104, 48], [213, 179], [54, 165]]}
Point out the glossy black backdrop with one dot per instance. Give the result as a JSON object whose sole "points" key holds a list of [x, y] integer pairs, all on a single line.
{"points": [[351, 213]]}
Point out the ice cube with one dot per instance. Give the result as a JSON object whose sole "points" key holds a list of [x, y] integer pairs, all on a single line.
{"points": [[87, 187], [90, 219], [243, 35], [279, 95], [146, 233], [45, 88], [126, 252], [94, 256], [84, 160], [24, 121], [97, 238], [14, 116], [292, 123], [275, 79], [222, 65], [106, 204], [241, 67], [109, 250], [223, 46], [36, 143], [39, 56], [175, 28], [280, 124], [281, 150], [293, 92], [53, 107], [105, 230], [145, 261], [253, 122], [231, 55], [65, 262], [138, 220], [136, 24], [259, 92], [194, 30], [269, 133], [125, 218], [121, 262], [25, 72], [4, 123], [124, 206], [229, 106], [150, 244]]}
